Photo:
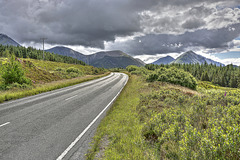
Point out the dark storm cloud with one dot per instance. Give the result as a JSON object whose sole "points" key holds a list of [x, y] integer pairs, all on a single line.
{"points": [[75, 22], [193, 23], [168, 43], [177, 19], [91, 23]]}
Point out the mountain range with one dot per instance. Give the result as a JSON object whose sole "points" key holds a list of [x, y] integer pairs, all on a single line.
{"points": [[106, 59], [5, 40], [189, 57], [117, 59]]}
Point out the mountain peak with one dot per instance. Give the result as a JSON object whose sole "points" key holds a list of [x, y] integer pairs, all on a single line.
{"points": [[3, 35], [190, 52], [114, 53], [5, 40], [61, 48], [113, 59], [193, 58], [65, 51], [164, 60]]}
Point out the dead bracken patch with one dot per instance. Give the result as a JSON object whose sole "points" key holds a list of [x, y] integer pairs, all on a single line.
{"points": [[185, 90]]}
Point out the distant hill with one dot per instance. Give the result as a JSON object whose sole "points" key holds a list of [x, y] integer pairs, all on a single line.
{"points": [[164, 60], [193, 58], [113, 59], [5, 40], [108, 59], [64, 51]]}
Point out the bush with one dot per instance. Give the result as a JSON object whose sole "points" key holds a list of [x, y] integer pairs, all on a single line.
{"points": [[152, 77], [174, 76], [17, 85], [171, 75], [132, 68], [13, 72], [141, 71], [72, 69], [59, 69]]}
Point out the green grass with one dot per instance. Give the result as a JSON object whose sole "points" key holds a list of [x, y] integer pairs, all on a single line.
{"points": [[120, 132], [52, 66], [16, 93], [159, 120]]}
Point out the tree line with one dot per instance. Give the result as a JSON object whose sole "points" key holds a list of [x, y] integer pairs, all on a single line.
{"points": [[226, 76], [30, 52]]}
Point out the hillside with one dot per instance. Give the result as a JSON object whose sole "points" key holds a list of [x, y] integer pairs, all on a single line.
{"points": [[107, 59], [29, 52], [40, 69], [41, 76], [64, 51], [5, 40], [193, 58], [112, 59], [164, 60], [46, 71]]}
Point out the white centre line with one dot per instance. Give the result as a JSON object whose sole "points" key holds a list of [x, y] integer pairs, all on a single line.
{"points": [[70, 97], [4, 124], [86, 129]]}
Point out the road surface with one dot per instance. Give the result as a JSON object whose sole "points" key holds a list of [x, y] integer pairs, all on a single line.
{"points": [[53, 125]]}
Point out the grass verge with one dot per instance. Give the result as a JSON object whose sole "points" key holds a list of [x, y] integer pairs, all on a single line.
{"points": [[119, 136], [40, 88]]}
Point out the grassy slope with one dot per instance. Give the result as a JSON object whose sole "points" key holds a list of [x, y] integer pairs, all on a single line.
{"points": [[52, 66], [46, 78], [20, 93], [164, 121]]}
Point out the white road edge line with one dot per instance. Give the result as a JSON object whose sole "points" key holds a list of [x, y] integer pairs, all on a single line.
{"points": [[86, 129], [4, 124], [70, 97]]}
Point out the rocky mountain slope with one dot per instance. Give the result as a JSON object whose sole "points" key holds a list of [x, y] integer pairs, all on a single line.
{"points": [[5, 40], [164, 60], [193, 58]]}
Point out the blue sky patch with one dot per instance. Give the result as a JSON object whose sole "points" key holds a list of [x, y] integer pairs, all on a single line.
{"points": [[226, 55], [237, 38]]}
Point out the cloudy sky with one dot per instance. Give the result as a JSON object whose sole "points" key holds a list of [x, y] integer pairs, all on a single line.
{"points": [[146, 29]]}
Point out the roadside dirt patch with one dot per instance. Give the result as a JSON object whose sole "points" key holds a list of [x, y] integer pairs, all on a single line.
{"points": [[102, 146]]}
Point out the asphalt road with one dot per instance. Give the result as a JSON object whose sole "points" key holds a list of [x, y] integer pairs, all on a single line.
{"points": [[53, 125]]}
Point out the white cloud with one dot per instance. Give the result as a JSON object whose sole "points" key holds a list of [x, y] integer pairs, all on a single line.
{"points": [[235, 61], [151, 58], [236, 44], [85, 50], [179, 19]]}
